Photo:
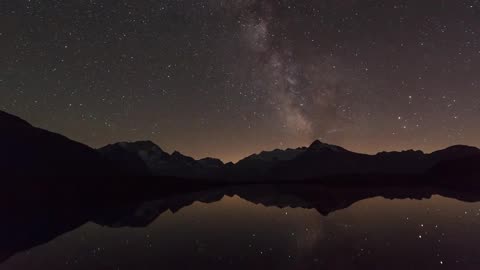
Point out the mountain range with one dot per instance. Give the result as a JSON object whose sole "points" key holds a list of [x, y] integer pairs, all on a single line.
{"points": [[31, 151]]}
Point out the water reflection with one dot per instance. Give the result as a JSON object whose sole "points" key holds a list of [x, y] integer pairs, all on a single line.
{"points": [[251, 227]]}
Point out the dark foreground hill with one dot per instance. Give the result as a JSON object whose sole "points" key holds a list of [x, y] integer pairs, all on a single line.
{"points": [[28, 151]]}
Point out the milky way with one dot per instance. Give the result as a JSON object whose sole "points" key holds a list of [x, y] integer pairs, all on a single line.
{"points": [[228, 78]]}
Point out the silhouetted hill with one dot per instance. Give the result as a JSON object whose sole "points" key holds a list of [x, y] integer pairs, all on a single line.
{"points": [[211, 162], [30, 151], [457, 171], [454, 152]]}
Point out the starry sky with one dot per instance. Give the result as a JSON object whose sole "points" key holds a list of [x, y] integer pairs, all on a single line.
{"points": [[227, 78]]}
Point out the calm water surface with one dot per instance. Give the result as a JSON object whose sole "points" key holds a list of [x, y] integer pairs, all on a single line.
{"points": [[233, 233]]}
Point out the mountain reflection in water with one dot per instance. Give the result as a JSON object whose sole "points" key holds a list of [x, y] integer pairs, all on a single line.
{"points": [[250, 227]]}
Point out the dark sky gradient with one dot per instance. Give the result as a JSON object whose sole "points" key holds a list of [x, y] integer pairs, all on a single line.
{"points": [[226, 78]]}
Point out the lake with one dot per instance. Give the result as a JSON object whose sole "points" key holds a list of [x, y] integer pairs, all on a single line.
{"points": [[238, 230]]}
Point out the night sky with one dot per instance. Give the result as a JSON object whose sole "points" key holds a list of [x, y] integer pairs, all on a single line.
{"points": [[227, 78]]}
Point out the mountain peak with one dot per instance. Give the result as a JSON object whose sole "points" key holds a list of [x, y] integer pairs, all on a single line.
{"points": [[460, 147], [141, 145], [177, 154], [318, 145], [275, 155], [456, 151], [181, 157], [143, 149], [211, 162]]}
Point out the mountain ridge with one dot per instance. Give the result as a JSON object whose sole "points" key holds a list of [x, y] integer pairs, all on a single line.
{"points": [[33, 151]]}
